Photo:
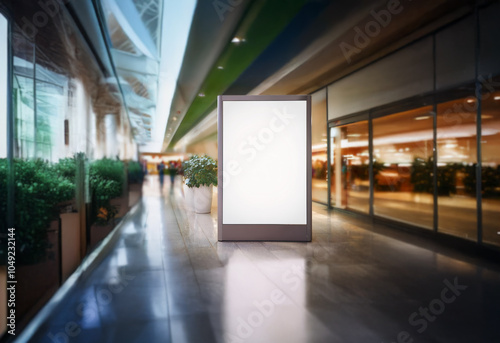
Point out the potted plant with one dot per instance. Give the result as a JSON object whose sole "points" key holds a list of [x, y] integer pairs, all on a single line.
{"points": [[188, 191], [200, 174]]}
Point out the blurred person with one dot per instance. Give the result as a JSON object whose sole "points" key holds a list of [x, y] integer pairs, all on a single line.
{"points": [[172, 168], [161, 172]]}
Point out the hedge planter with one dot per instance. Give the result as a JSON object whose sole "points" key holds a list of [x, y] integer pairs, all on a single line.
{"points": [[70, 237], [134, 194], [203, 199], [98, 232], [38, 281], [121, 204]]}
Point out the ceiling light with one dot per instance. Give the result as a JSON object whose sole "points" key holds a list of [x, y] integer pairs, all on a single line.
{"points": [[174, 118], [220, 67], [486, 116], [497, 97], [422, 118], [201, 95], [354, 135], [235, 40], [470, 101]]}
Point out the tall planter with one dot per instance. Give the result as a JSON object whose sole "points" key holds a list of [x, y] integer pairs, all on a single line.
{"points": [[188, 197], [203, 199], [200, 174]]}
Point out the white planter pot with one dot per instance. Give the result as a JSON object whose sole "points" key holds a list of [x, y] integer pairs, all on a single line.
{"points": [[203, 199], [188, 197]]}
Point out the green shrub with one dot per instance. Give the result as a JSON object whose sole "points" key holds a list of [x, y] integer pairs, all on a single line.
{"points": [[135, 173], [107, 179], [200, 171], [38, 188], [421, 175], [66, 167]]}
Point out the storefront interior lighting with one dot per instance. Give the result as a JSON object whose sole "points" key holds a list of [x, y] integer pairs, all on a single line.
{"points": [[422, 118]]}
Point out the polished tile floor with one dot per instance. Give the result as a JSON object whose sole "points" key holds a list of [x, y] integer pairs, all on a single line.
{"points": [[168, 279]]}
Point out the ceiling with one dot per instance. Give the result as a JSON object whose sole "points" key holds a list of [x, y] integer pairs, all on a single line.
{"points": [[243, 47], [291, 50]]}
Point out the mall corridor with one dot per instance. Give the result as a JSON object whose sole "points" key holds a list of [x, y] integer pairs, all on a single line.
{"points": [[168, 279]]}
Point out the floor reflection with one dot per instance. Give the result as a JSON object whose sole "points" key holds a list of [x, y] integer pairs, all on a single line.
{"points": [[168, 279]]}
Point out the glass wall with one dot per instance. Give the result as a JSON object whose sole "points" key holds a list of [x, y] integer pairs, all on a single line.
{"points": [[51, 102], [23, 102], [456, 164], [490, 150], [350, 181], [319, 147], [4, 73], [403, 167], [4, 65]]}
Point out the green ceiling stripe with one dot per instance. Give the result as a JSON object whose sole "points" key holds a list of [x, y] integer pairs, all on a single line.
{"points": [[263, 22]]}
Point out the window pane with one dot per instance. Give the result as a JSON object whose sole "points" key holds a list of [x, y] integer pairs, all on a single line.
{"points": [[319, 147], [350, 167], [400, 75], [403, 166], [490, 147], [457, 160], [4, 65]]}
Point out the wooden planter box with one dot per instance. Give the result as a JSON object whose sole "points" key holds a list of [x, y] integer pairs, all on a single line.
{"points": [[39, 281], [134, 194], [99, 232], [70, 243], [121, 204]]}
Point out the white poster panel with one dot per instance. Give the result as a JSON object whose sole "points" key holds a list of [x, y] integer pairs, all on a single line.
{"points": [[265, 148], [264, 162]]}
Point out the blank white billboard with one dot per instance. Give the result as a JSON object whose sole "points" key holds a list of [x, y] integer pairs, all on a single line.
{"points": [[265, 160]]}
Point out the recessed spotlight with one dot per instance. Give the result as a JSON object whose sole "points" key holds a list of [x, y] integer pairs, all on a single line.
{"points": [[422, 118], [497, 97], [236, 40], [220, 67], [174, 118], [201, 95], [470, 101]]}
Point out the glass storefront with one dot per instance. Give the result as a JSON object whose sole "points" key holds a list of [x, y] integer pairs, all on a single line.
{"points": [[404, 187], [456, 165], [490, 147], [403, 167], [350, 178], [319, 147]]}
